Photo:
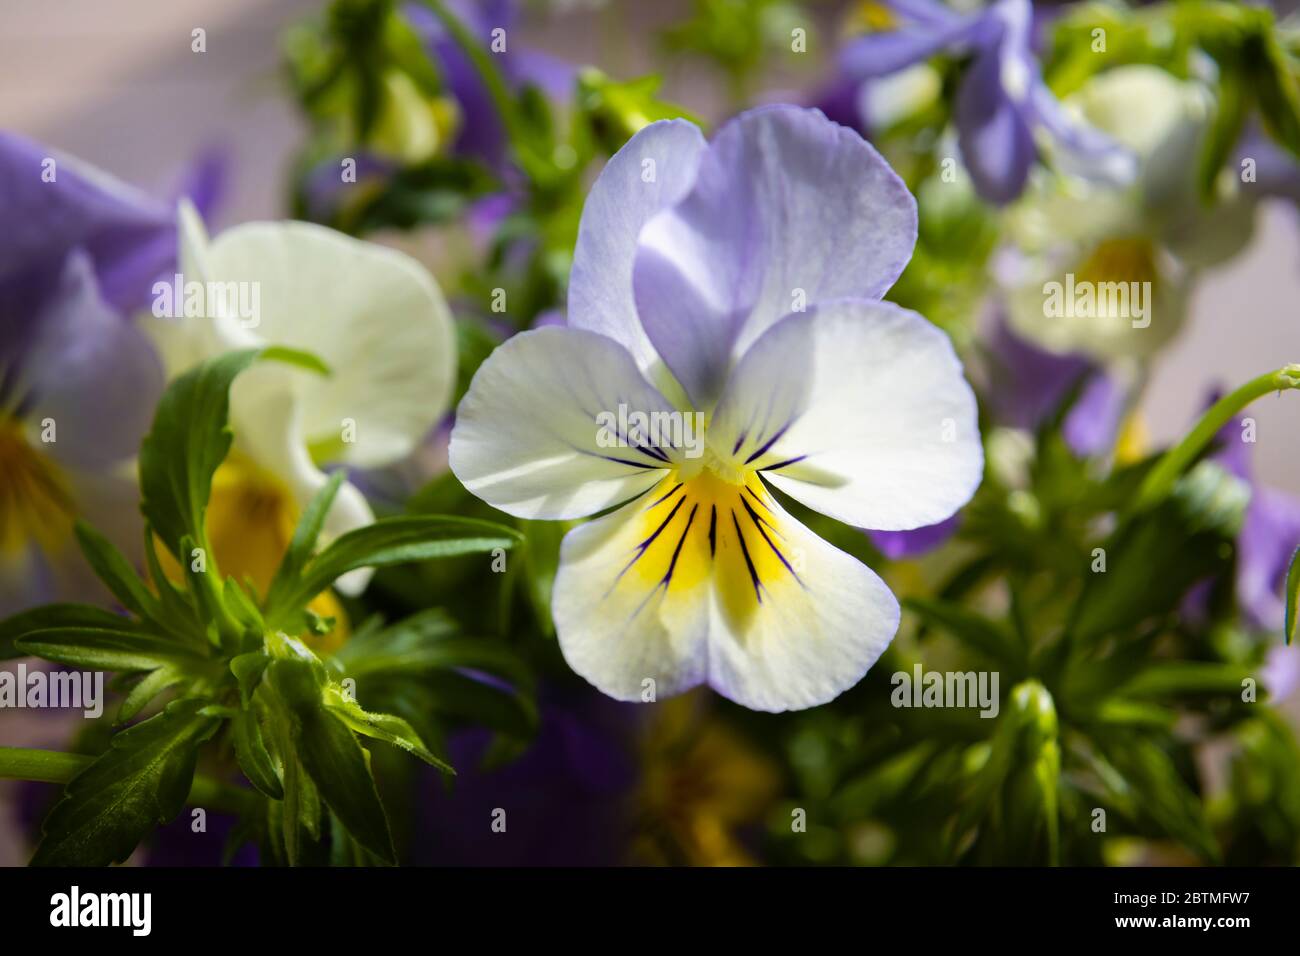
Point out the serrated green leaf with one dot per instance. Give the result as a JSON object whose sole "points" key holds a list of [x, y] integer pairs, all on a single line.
{"points": [[139, 783], [106, 648], [55, 616]]}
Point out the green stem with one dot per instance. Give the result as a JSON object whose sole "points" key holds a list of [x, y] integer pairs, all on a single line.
{"points": [[483, 65], [54, 766], [1161, 478]]}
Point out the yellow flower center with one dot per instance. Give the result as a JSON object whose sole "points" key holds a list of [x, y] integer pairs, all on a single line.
{"points": [[35, 503], [250, 522], [717, 521], [1120, 260]]}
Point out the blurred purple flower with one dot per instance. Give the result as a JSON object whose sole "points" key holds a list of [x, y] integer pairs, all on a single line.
{"points": [[482, 134], [565, 796], [1269, 535], [1002, 99], [79, 252]]}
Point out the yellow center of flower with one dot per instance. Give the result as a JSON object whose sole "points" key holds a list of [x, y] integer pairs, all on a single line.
{"points": [[250, 522], [1120, 260], [717, 521], [35, 503]]}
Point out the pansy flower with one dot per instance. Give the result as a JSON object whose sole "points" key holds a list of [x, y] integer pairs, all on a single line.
{"points": [[78, 380], [377, 320], [1002, 100], [1144, 242], [730, 293]]}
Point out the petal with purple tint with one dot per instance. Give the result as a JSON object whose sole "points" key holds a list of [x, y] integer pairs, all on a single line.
{"points": [[1268, 539], [83, 207], [788, 210], [858, 410], [532, 436], [654, 169], [90, 371], [879, 54], [997, 143], [900, 545]]}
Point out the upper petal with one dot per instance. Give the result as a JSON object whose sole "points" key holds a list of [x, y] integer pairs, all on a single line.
{"points": [[373, 315], [860, 411], [788, 208], [528, 437], [80, 206], [655, 168]]}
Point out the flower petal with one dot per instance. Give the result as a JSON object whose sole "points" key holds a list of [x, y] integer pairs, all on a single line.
{"points": [[619, 204], [709, 582], [788, 208], [860, 411], [264, 416], [527, 438], [373, 315], [997, 144], [83, 206], [90, 371]]}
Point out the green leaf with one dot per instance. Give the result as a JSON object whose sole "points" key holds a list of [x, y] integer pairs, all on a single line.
{"points": [[304, 540], [1277, 88], [1292, 597], [385, 727], [338, 766], [54, 616], [108, 649], [190, 438], [972, 629], [116, 572], [393, 541], [139, 783], [251, 752], [1160, 796], [147, 688], [330, 754], [1232, 106]]}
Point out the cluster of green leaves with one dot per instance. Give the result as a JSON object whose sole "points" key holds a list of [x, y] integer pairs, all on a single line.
{"points": [[1112, 677], [1256, 64], [245, 689]]}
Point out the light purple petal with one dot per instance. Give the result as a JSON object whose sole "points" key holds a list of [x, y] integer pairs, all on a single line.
{"points": [[1268, 539], [997, 144], [81, 207], [788, 210], [879, 54], [1026, 384], [95, 374], [898, 545], [655, 168], [1093, 423]]}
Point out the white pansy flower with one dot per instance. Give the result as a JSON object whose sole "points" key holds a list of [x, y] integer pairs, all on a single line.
{"points": [[731, 287], [1107, 270], [373, 316]]}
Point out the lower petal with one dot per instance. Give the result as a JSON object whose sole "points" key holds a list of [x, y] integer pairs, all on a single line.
{"points": [[704, 581]]}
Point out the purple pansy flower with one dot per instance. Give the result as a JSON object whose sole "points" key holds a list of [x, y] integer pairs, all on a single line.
{"points": [[1002, 100], [726, 336], [78, 382]]}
